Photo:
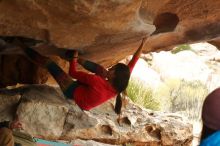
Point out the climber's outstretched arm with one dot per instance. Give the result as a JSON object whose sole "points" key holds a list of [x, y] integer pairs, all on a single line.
{"points": [[136, 55]]}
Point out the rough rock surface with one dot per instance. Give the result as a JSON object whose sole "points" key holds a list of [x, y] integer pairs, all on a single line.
{"points": [[99, 29], [94, 26], [45, 114]]}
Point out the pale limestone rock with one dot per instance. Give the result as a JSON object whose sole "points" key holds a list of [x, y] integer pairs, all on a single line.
{"points": [[44, 113], [8, 105]]}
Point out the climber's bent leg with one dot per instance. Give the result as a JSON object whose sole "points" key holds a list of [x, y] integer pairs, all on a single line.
{"points": [[65, 81]]}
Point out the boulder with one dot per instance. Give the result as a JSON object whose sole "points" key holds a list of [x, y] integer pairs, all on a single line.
{"points": [[99, 29], [46, 114]]}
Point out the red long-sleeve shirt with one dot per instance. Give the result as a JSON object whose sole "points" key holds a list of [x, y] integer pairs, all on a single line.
{"points": [[94, 89]]}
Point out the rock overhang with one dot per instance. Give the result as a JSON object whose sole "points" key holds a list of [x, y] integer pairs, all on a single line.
{"points": [[108, 31], [98, 28]]}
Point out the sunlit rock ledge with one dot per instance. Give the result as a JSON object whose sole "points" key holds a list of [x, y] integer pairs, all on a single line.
{"points": [[46, 114]]}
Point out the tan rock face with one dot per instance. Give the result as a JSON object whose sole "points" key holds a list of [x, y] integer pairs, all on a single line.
{"points": [[100, 29], [45, 114], [90, 25]]}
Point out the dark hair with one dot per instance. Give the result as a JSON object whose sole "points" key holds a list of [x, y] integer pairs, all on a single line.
{"points": [[118, 104], [120, 83]]}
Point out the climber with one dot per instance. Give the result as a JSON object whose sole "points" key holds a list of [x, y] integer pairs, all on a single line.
{"points": [[6, 137], [90, 90], [211, 116]]}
